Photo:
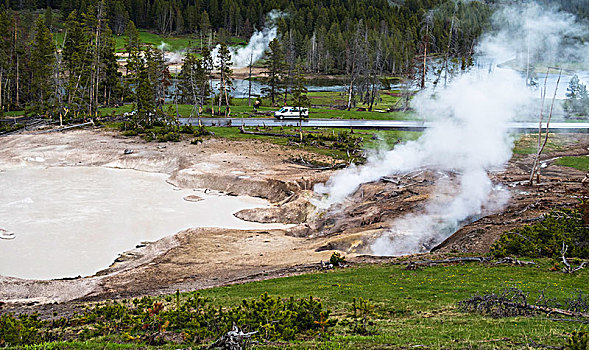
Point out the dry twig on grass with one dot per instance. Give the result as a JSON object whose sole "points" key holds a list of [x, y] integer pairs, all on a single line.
{"points": [[514, 302], [567, 267], [235, 339]]}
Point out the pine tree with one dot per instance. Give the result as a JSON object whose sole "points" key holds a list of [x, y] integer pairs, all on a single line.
{"points": [[577, 101], [110, 87], [77, 57], [133, 48], [193, 81], [41, 65], [208, 66], [145, 104], [225, 72], [134, 60], [275, 66], [49, 18], [299, 90], [5, 48], [158, 74]]}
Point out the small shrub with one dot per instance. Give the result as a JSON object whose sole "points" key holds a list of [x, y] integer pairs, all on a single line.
{"points": [[186, 129], [201, 131], [337, 259], [9, 127], [545, 238], [130, 133], [359, 318], [21, 330], [578, 341], [170, 136]]}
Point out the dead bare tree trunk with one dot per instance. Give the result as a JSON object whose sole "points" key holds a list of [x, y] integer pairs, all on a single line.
{"points": [[17, 63], [424, 70], [249, 89], [542, 145]]}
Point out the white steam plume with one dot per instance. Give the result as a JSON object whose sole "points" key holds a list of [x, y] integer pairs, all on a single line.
{"points": [[468, 136], [170, 57], [258, 43]]}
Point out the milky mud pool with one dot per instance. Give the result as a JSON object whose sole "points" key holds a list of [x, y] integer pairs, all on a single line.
{"points": [[70, 221], [131, 217]]}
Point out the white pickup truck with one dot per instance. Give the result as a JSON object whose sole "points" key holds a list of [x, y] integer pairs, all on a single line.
{"points": [[291, 113]]}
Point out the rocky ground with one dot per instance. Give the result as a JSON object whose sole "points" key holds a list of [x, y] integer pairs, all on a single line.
{"points": [[200, 258]]}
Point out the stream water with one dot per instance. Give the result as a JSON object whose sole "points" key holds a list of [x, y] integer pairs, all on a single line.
{"points": [[76, 220]]}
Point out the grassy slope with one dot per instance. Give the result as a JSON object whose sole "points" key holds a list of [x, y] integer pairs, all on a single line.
{"points": [[173, 43], [239, 108], [417, 308], [528, 143], [580, 163]]}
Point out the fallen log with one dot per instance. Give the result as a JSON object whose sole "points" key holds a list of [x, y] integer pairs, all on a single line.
{"points": [[448, 261], [514, 302], [91, 122], [235, 339], [257, 133], [303, 162], [481, 259], [513, 261]]}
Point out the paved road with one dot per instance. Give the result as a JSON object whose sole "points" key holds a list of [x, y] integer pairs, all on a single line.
{"points": [[407, 125]]}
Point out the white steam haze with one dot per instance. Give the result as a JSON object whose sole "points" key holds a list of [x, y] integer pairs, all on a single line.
{"points": [[468, 136], [258, 43], [170, 57]]}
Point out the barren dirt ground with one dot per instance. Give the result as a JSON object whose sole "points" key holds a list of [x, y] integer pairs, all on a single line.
{"points": [[200, 258]]}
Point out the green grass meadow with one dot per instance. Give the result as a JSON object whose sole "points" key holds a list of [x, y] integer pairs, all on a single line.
{"points": [[579, 163], [413, 309]]}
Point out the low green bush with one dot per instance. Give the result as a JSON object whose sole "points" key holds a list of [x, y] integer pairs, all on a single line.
{"points": [[20, 330], [578, 341], [168, 137], [546, 238], [196, 319]]}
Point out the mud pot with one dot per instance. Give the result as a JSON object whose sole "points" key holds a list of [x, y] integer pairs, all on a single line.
{"points": [[204, 257], [71, 221]]}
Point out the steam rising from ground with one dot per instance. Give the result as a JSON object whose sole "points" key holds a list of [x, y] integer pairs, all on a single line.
{"points": [[549, 36], [240, 56], [469, 137], [258, 43]]}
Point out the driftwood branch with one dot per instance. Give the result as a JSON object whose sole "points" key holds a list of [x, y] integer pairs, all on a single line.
{"points": [[411, 265], [514, 302], [302, 161], [513, 261], [567, 267], [235, 339], [91, 122]]}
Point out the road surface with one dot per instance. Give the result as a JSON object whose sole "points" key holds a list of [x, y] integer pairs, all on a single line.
{"points": [[407, 125]]}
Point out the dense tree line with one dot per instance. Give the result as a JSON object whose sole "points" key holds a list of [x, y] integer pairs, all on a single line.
{"points": [[73, 77], [362, 39], [319, 32], [579, 8]]}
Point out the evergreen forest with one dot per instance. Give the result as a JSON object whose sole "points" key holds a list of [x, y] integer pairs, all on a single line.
{"points": [[58, 57]]}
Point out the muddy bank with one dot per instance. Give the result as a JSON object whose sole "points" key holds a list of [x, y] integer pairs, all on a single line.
{"points": [[190, 259], [370, 211], [205, 257]]}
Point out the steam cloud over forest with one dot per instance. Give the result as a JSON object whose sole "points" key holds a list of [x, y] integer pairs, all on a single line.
{"points": [[258, 43]]}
